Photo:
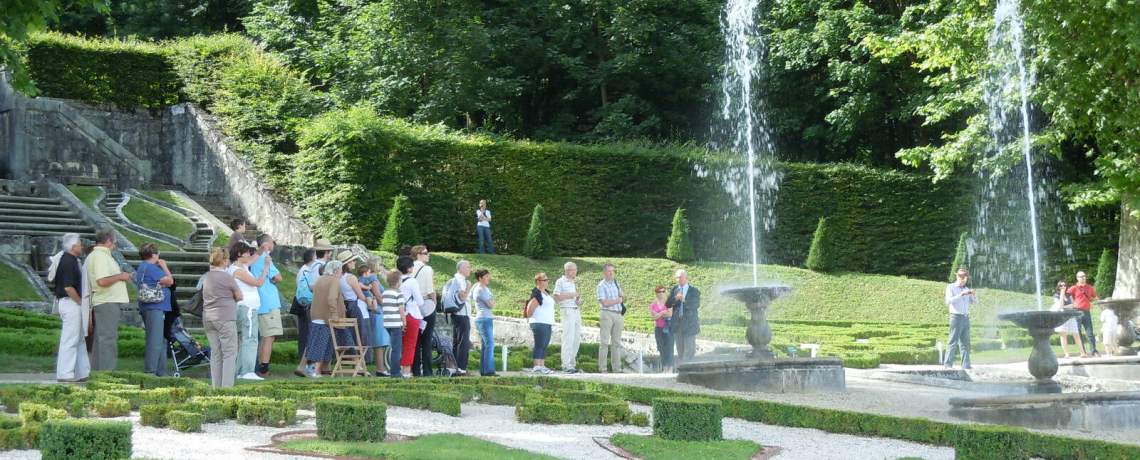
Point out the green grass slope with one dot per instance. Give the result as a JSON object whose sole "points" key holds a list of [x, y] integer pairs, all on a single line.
{"points": [[13, 286], [157, 218], [817, 296]]}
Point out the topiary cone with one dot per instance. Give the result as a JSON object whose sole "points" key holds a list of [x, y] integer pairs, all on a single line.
{"points": [[959, 258], [538, 243], [821, 257], [1105, 281], [680, 247], [400, 229]]}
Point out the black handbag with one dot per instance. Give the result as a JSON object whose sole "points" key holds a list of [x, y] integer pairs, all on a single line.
{"points": [[195, 304], [623, 309]]}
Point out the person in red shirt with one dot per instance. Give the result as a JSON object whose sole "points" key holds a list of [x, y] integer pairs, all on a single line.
{"points": [[1083, 295]]}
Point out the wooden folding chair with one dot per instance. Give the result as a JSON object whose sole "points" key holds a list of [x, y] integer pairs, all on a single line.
{"points": [[347, 355]]}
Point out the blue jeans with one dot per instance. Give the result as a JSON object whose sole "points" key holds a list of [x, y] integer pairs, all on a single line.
{"points": [[664, 345], [541, 340], [959, 337], [396, 336], [486, 328], [484, 233], [1085, 326]]}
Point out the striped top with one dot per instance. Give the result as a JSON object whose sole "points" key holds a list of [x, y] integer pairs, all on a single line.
{"points": [[391, 300]]}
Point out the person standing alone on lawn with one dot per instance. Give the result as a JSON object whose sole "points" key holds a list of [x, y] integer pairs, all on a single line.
{"points": [[566, 294], [108, 295], [1083, 295], [959, 297], [483, 228]]}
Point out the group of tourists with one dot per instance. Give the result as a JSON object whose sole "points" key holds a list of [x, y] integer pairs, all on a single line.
{"points": [[1079, 296], [395, 311]]}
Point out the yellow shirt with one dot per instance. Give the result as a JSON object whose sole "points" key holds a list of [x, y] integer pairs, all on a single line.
{"points": [[101, 264]]}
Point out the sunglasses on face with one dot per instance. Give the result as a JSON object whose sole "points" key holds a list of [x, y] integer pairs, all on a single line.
{"points": [[660, 292], [543, 280]]}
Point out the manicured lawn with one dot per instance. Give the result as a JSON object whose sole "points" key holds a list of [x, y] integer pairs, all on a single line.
{"points": [[85, 194], [15, 286], [430, 447], [157, 218], [164, 195], [287, 286], [651, 448], [137, 240]]}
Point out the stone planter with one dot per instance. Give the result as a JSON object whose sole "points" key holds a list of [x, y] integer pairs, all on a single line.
{"points": [[1042, 360]]}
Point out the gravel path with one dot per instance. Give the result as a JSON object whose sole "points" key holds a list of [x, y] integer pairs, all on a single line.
{"points": [[497, 424]]}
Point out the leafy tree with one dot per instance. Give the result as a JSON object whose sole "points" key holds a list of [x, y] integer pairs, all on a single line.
{"points": [[400, 230], [959, 257], [680, 247], [1105, 281], [18, 18], [538, 243], [157, 19], [821, 257]]}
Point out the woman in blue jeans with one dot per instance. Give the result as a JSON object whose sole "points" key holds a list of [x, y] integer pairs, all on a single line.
{"points": [[540, 307], [485, 322]]}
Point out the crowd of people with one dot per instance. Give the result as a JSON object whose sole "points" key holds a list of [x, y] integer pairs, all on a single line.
{"points": [[1079, 296], [396, 311]]}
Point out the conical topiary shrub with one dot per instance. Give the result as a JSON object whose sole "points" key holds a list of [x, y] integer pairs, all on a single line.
{"points": [[680, 247], [538, 243], [959, 258], [400, 229], [821, 257], [1105, 280]]}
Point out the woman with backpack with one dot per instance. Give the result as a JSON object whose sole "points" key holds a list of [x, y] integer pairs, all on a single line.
{"points": [[540, 311]]}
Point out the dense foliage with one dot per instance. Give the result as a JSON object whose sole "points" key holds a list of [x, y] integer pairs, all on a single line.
{"points": [[1105, 281], [86, 439], [821, 256], [959, 258], [400, 230], [687, 419], [18, 19]]}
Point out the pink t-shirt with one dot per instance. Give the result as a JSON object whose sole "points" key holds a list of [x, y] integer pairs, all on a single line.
{"points": [[657, 307]]}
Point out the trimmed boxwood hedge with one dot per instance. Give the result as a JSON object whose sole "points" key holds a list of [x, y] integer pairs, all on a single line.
{"points": [[111, 406], [155, 414], [576, 407], [351, 420], [186, 422], [272, 413], [687, 419], [85, 439]]}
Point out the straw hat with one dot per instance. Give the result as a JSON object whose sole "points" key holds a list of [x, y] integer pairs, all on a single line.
{"points": [[347, 256], [323, 244]]}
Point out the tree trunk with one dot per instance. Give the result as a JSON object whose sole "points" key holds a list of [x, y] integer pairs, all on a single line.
{"points": [[1128, 259]]}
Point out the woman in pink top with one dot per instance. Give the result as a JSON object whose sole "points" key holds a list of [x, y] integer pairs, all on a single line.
{"points": [[661, 315]]}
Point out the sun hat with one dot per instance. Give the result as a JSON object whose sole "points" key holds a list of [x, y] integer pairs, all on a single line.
{"points": [[347, 256], [323, 244]]}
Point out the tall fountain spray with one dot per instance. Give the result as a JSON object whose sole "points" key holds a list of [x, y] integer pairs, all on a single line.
{"points": [[1002, 223], [745, 128]]}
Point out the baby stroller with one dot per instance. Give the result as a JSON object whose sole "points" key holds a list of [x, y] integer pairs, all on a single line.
{"points": [[185, 351], [443, 358]]}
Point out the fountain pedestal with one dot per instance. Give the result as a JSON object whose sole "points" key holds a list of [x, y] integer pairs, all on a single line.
{"points": [[1042, 360], [761, 370], [1125, 310]]}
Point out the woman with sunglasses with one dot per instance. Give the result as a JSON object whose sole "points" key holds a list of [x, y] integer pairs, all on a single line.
{"points": [[1061, 301], [661, 332]]}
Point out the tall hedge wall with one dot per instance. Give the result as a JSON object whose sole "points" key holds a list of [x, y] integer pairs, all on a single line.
{"points": [[612, 199]]}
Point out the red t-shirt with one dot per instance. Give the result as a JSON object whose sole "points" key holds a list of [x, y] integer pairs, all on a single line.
{"points": [[1082, 295]]}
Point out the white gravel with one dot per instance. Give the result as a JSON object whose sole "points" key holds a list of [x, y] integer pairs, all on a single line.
{"points": [[497, 424]]}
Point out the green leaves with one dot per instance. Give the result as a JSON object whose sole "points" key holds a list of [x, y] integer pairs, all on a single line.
{"points": [[680, 247], [538, 243], [400, 230]]}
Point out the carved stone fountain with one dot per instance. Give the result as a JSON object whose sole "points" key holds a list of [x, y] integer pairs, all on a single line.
{"points": [[1042, 360], [1125, 310], [760, 370]]}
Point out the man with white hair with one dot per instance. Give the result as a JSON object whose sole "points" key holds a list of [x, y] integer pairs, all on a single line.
{"points": [[685, 300], [455, 298], [566, 294], [71, 364]]}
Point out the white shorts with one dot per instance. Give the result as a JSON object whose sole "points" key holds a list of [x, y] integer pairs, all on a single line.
{"points": [[1108, 336]]}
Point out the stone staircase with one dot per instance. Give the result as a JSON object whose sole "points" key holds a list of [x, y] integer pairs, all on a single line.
{"points": [[203, 234], [40, 216], [226, 214], [109, 206]]}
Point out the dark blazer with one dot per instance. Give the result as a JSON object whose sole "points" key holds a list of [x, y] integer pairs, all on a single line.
{"points": [[689, 322]]}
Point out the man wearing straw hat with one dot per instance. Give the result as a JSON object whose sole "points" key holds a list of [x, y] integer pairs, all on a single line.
{"points": [[307, 276]]}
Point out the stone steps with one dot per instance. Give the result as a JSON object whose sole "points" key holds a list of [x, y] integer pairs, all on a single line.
{"points": [[29, 199], [47, 227], [5, 205], [36, 213], [200, 257], [53, 220]]}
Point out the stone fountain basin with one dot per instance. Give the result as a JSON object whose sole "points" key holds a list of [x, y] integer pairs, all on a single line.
{"points": [[762, 295], [1040, 319], [780, 375], [1115, 411]]}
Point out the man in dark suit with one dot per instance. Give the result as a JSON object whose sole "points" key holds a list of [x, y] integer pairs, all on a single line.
{"points": [[685, 300]]}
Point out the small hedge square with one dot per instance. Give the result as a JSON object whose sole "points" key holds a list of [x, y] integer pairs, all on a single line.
{"points": [[351, 420], [991, 443], [86, 439], [275, 413], [155, 414], [687, 419], [111, 406], [32, 413], [186, 422]]}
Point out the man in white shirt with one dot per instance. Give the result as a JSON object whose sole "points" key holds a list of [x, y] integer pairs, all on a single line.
{"points": [[566, 294], [959, 298], [425, 277], [483, 228]]}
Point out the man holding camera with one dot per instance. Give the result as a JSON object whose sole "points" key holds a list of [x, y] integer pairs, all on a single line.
{"points": [[959, 298]]}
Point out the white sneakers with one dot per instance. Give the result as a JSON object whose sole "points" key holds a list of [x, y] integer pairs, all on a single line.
{"points": [[542, 370], [249, 376]]}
